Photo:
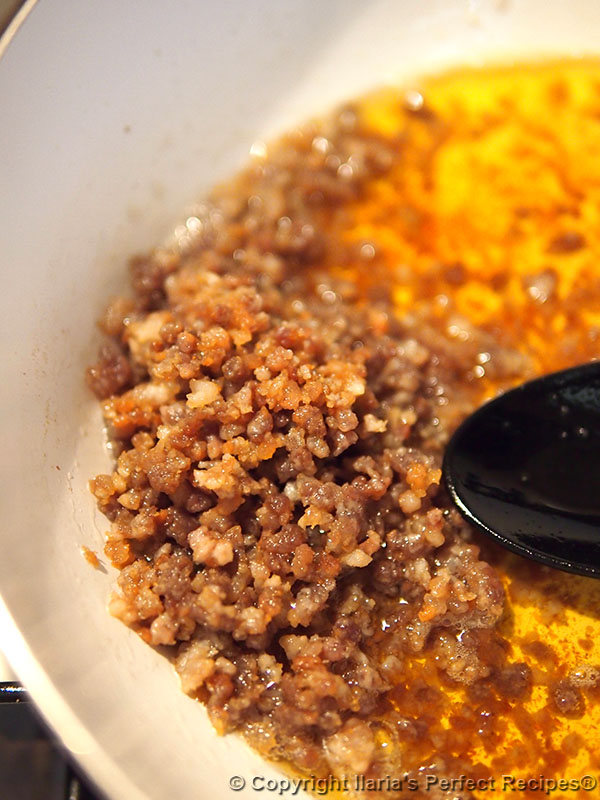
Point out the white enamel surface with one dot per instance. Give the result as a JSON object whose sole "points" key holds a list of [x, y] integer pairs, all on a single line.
{"points": [[114, 117]]}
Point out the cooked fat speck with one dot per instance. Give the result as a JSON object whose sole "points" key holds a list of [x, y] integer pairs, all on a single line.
{"points": [[280, 416]]}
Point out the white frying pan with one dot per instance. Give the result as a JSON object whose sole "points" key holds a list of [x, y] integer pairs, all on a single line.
{"points": [[115, 116]]}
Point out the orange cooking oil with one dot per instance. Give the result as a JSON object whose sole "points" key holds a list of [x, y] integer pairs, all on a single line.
{"points": [[491, 218]]}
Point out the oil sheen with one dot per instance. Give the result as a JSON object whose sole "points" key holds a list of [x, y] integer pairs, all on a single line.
{"points": [[492, 219]]}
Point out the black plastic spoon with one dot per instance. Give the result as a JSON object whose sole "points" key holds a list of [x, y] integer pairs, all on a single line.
{"points": [[525, 468]]}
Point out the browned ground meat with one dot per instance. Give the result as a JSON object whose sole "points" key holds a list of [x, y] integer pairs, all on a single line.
{"points": [[276, 510]]}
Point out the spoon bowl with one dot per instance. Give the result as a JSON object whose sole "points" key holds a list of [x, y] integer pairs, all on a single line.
{"points": [[525, 469]]}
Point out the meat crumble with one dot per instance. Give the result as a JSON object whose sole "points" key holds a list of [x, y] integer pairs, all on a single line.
{"points": [[276, 510]]}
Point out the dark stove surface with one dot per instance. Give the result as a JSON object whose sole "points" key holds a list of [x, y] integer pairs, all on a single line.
{"points": [[33, 764]]}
